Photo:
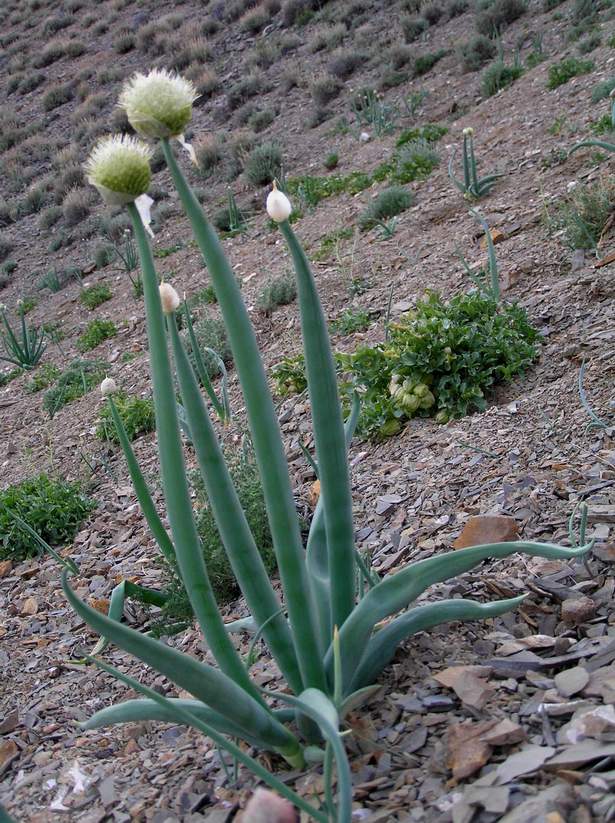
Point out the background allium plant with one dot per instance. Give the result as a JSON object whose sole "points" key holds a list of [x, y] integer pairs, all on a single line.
{"points": [[330, 637]]}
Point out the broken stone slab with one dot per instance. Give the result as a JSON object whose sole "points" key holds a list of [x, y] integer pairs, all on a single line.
{"points": [[487, 528], [571, 681], [556, 800]]}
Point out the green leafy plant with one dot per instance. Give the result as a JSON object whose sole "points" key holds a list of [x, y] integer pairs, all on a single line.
{"points": [[566, 69], [425, 62], [413, 27], [602, 90], [263, 164], [136, 414], [94, 296], [415, 160], [429, 133], [350, 321], [78, 379], [499, 76], [96, 332], [289, 375], [323, 634], [472, 186], [42, 378], [23, 348], [25, 305], [491, 21], [53, 508], [389, 203], [584, 214], [476, 52], [370, 110], [278, 291], [311, 190]]}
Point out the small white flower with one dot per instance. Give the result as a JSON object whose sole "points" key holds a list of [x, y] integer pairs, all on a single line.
{"points": [[169, 298], [119, 168], [108, 386], [571, 186], [279, 207], [364, 137], [158, 104], [468, 131]]}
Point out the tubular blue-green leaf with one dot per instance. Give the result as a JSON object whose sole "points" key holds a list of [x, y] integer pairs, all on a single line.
{"points": [[116, 604], [466, 164], [141, 490], [394, 593], [601, 144], [383, 645], [329, 438], [316, 705], [237, 539], [214, 688], [266, 438], [184, 716], [493, 263], [316, 554], [201, 368], [188, 548], [6, 818]]}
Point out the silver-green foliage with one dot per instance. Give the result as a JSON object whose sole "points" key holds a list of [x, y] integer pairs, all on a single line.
{"points": [[329, 636]]}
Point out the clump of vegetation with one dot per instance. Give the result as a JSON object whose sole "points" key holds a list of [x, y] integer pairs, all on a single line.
{"points": [[263, 164], [210, 333], [430, 133], [414, 160], [289, 376], [244, 89], [311, 190], [499, 14], [350, 321], [279, 291], [499, 76], [246, 479], [96, 332], [42, 378], [346, 62], [76, 206], [389, 203], [602, 90], [53, 508], [425, 62], [136, 414], [58, 96], [22, 347], [476, 52], [78, 379], [94, 296], [433, 13], [566, 69], [413, 27], [325, 89], [585, 214]]}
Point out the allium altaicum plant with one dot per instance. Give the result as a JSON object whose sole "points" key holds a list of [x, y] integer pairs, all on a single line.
{"points": [[23, 348], [337, 625], [472, 186]]}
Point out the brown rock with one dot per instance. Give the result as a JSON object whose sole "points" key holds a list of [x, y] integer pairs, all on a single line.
{"points": [[314, 494], [467, 753], [487, 528], [577, 610], [8, 752], [29, 606], [6, 566], [571, 681], [504, 733]]}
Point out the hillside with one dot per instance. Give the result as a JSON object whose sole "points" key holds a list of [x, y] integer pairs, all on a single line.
{"points": [[340, 101]]}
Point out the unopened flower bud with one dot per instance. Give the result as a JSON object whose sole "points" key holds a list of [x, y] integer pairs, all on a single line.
{"points": [[119, 168], [267, 807], [169, 298], [468, 131], [108, 386], [278, 205], [158, 104]]}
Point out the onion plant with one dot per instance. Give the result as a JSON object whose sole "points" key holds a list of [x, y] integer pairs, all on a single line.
{"points": [[336, 624], [23, 348], [472, 186], [600, 144]]}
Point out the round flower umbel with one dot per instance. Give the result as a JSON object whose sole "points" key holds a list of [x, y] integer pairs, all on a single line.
{"points": [[119, 168], [158, 104]]}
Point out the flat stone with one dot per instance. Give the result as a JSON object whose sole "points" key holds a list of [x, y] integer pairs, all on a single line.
{"points": [[577, 610], [487, 528], [571, 681]]}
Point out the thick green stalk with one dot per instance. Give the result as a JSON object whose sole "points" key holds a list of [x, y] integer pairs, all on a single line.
{"points": [[231, 521], [329, 438], [466, 164], [173, 472], [265, 431], [140, 486]]}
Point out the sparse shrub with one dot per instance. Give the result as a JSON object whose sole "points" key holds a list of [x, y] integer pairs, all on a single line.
{"points": [[94, 296], [136, 413], [104, 254], [255, 20], [52, 52], [346, 62], [58, 96], [388, 203], [328, 38], [78, 379], [205, 80], [53, 508], [325, 89], [331, 161], [566, 69], [196, 51], [413, 27], [476, 52], [432, 13], [430, 132], [76, 206], [55, 24], [456, 8], [591, 43], [263, 164], [43, 377], [259, 120], [211, 334], [279, 291], [585, 214], [350, 321], [549, 5], [31, 82], [209, 154], [494, 19], [499, 76], [6, 247], [414, 160], [243, 90], [74, 48], [399, 56], [209, 26], [96, 332], [124, 42], [602, 90], [426, 62]]}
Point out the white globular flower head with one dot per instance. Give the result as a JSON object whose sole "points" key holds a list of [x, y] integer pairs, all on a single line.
{"points": [[158, 104], [119, 168], [279, 207], [169, 298], [468, 131], [108, 387]]}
